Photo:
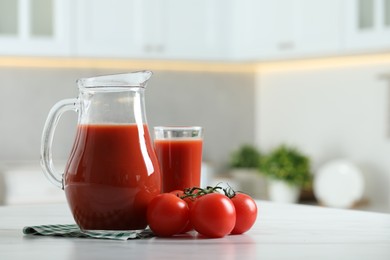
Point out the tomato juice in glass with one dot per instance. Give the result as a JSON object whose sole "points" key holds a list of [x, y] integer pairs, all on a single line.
{"points": [[110, 178], [179, 152]]}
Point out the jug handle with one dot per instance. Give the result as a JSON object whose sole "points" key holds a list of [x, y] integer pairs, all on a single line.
{"points": [[47, 139]]}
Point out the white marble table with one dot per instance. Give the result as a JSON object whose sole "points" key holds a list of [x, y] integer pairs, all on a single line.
{"points": [[281, 232]]}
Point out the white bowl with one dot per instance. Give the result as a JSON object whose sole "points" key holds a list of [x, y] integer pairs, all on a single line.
{"points": [[339, 184]]}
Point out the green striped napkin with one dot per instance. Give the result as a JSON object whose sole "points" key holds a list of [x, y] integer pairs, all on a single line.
{"points": [[72, 230]]}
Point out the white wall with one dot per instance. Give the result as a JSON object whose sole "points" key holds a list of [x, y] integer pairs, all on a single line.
{"points": [[330, 113]]}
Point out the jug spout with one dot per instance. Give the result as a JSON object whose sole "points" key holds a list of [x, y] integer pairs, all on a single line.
{"points": [[132, 79]]}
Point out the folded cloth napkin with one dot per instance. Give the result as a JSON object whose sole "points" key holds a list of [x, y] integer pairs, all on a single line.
{"points": [[73, 230]]}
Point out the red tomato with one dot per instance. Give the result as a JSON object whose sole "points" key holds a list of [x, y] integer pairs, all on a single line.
{"points": [[213, 215], [189, 201], [167, 215], [246, 212], [189, 226]]}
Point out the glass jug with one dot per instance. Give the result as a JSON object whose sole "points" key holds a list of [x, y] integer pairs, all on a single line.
{"points": [[112, 172]]}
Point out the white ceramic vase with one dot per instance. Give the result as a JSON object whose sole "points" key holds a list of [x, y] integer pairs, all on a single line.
{"points": [[281, 191], [250, 181]]}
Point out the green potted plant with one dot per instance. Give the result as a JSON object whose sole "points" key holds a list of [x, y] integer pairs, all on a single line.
{"points": [[244, 170], [288, 170], [247, 156]]}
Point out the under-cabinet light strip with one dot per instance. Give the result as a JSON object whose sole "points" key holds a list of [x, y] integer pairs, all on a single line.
{"points": [[324, 63], [28, 62], [223, 67]]}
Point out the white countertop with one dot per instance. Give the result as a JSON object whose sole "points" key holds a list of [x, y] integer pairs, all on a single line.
{"points": [[282, 231]]}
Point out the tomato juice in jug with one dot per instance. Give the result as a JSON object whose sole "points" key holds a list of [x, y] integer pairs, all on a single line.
{"points": [[110, 176]]}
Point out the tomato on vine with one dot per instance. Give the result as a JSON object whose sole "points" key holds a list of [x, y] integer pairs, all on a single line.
{"points": [[246, 212], [213, 215], [209, 212], [182, 194], [167, 215]]}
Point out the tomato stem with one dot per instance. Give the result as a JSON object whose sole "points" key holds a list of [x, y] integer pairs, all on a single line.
{"points": [[229, 192], [196, 192]]}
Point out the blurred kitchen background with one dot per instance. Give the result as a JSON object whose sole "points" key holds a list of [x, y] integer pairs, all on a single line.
{"points": [[312, 74]]}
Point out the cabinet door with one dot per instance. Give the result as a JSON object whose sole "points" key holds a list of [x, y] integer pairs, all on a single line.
{"points": [[282, 29], [109, 28], [194, 29], [34, 27], [319, 27], [274, 28], [367, 24], [153, 17]]}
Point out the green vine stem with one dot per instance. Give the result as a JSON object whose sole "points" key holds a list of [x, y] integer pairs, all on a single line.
{"points": [[196, 192]]}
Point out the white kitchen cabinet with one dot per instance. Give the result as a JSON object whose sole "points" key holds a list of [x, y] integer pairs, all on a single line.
{"points": [[367, 25], [173, 29], [153, 25], [268, 28], [108, 28], [254, 30], [195, 29], [34, 27], [282, 29]]}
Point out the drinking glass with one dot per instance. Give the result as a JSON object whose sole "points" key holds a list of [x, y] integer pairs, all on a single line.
{"points": [[179, 152]]}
